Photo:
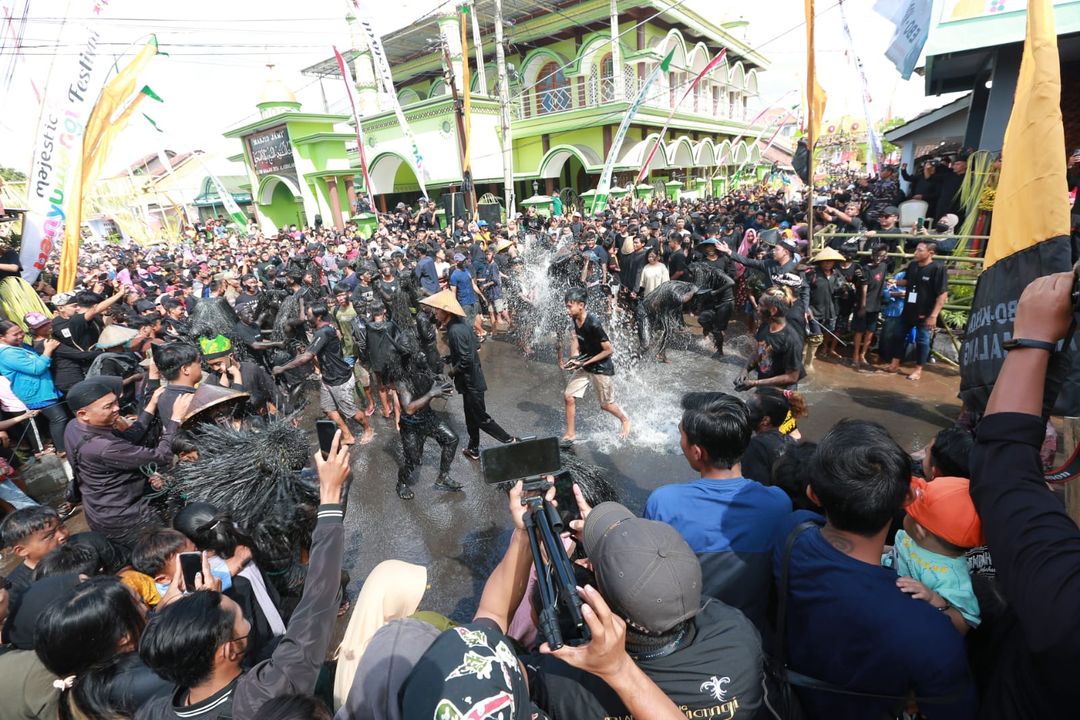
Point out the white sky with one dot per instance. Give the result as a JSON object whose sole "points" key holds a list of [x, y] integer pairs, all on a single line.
{"points": [[218, 50]]}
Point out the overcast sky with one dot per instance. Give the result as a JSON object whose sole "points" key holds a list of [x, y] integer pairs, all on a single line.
{"points": [[218, 51]]}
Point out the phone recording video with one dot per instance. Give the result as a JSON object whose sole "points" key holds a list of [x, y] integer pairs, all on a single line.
{"points": [[326, 430], [190, 566]]}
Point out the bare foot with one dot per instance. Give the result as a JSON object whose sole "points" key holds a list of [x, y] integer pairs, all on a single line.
{"points": [[569, 438], [915, 375], [368, 435], [348, 440], [370, 410], [624, 431]]}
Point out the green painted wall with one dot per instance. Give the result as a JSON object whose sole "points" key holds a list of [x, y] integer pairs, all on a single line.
{"points": [[283, 209]]}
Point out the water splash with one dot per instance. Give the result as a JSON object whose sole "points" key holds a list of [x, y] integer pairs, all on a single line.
{"points": [[649, 392]]}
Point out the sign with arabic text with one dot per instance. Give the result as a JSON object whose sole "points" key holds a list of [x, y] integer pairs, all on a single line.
{"points": [[271, 152]]}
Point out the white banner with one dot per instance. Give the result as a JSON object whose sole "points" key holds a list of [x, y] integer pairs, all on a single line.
{"points": [[603, 188], [74, 83], [382, 71], [912, 21]]}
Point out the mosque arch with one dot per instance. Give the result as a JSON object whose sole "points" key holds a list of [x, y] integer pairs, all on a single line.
{"points": [[672, 41], [634, 156], [408, 96], [384, 171], [265, 194], [705, 156], [551, 165], [681, 153]]}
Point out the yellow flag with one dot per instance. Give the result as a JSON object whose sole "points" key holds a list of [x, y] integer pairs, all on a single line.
{"points": [[114, 107], [1029, 235], [465, 93], [815, 94], [1031, 204]]}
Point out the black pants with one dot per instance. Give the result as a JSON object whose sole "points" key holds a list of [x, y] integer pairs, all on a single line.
{"points": [[714, 321], [57, 416], [414, 431], [477, 419]]}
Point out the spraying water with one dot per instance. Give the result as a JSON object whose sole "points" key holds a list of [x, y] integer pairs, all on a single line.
{"points": [[648, 391]]}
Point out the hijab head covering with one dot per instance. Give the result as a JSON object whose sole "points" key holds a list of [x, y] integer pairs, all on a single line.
{"points": [[393, 590], [393, 652]]}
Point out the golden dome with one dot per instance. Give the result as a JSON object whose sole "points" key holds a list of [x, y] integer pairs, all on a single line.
{"points": [[274, 90]]}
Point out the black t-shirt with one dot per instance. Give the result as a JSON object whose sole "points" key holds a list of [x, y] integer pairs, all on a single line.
{"points": [[590, 338], [11, 257], [715, 674], [875, 283], [924, 284], [677, 263], [326, 345], [781, 352], [76, 330]]}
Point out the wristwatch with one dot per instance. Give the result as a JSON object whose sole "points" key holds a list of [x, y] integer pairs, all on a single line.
{"points": [[1013, 343]]}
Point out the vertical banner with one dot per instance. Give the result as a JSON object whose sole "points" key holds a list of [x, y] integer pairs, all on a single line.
{"points": [[117, 102], [382, 70], [226, 198], [873, 142], [359, 129], [663, 131], [912, 21], [73, 85], [603, 189], [1029, 233]]}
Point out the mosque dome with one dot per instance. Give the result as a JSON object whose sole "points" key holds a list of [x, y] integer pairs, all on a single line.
{"points": [[275, 96]]}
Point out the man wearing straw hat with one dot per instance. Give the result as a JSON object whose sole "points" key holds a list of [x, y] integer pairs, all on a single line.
{"points": [[466, 371], [824, 282]]}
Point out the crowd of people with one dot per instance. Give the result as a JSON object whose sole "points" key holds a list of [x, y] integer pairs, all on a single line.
{"points": [[210, 581]]}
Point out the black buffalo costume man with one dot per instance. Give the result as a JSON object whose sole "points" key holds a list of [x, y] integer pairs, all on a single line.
{"points": [[465, 369]]}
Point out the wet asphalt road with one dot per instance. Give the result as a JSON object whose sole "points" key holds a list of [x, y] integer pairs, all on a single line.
{"points": [[460, 536]]}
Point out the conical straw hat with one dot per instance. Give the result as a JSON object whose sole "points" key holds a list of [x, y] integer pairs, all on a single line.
{"points": [[444, 300], [828, 254], [210, 396], [114, 335]]}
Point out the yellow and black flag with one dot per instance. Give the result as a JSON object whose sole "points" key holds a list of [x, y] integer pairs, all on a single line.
{"points": [[1029, 235]]}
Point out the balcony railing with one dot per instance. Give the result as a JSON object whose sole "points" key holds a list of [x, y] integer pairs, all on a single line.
{"points": [[601, 91]]}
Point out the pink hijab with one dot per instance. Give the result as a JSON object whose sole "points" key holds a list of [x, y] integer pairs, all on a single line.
{"points": [[748, 241]]}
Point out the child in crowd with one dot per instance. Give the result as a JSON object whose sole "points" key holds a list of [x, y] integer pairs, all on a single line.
{"points": [[156, 554], [929, 553], [32, 533]]}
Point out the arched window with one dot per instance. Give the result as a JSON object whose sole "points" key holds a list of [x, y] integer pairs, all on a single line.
{"points": [[607, 79], [552, 90]]}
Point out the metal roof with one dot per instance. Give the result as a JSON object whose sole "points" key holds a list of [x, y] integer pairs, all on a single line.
{"points": [[414, 40], [420, 37]]}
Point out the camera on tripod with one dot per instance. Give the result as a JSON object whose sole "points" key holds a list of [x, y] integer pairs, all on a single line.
{"points": [[532, 460]]}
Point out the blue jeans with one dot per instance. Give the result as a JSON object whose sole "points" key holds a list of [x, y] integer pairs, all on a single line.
{"points": [[16, 498], [898, 344]]}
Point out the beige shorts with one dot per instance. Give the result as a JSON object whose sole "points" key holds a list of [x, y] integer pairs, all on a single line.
{"points": [[603, 384], [341, 398]]}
